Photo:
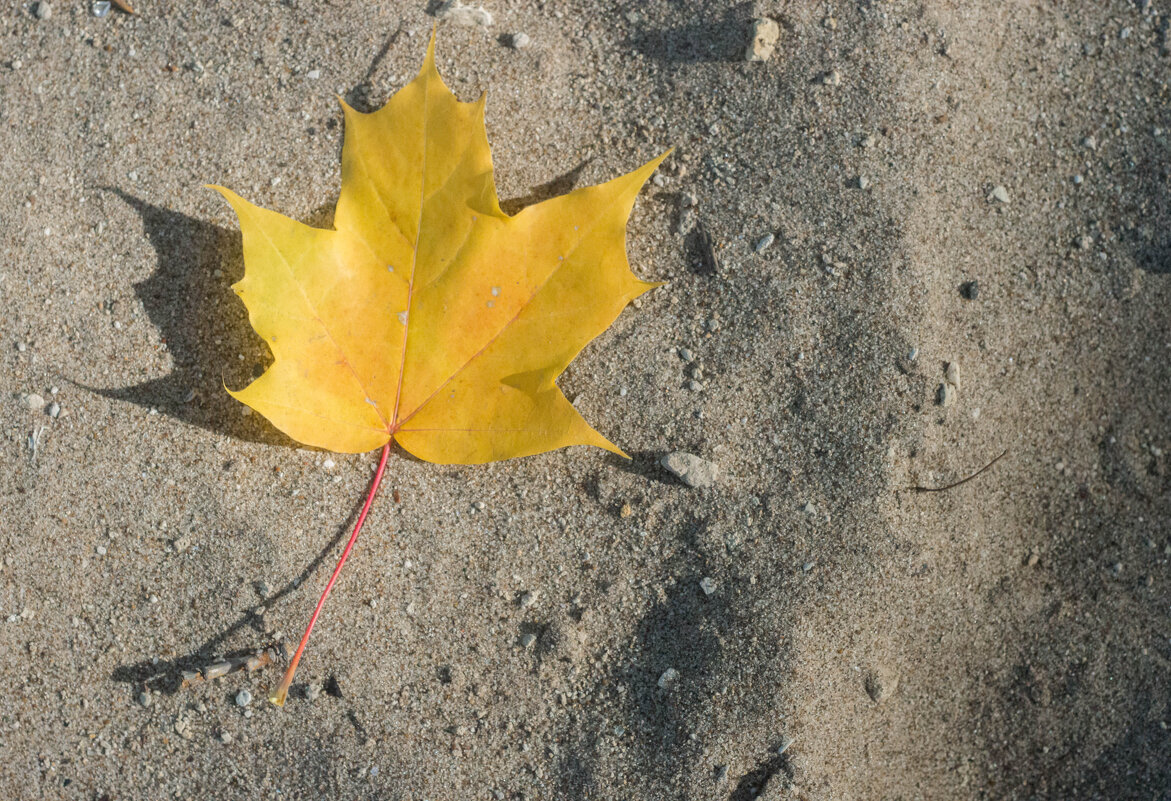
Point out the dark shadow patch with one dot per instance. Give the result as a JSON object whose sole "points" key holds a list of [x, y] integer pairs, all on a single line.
{"points": [[772, 769], [712, 37]]}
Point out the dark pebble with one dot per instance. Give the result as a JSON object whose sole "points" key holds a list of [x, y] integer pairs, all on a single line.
{"points": [[970, 289]]}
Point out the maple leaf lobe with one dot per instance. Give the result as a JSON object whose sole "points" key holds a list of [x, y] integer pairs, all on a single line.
{"points": [[427, 314]]}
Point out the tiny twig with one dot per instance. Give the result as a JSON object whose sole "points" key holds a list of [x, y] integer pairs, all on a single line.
{"points": [[962, 480]]}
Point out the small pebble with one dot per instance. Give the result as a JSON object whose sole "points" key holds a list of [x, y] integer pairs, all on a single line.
{"points": [[694, 386], [863, 182], [1033, 559], [1085, 241], [244, 697], [785, 745], [529, 598], [688, 200], [33, 402], [880, 684], [100, 550], [42, 10], [519, 41], [832, 78], [313, 75], [313, 692], [970, 290], [708, 585], [690, 469], [145, 698], [457, 12], [1090, 143], [54, 410], [999, 194], [952, 374], [225, 737], [764, 243], [100, 8], [765, 33], [1078, 179], [945, 396], [20, 346], [805, 568], [809, 508], [527, 640], [686, 355], [668, 678], [328, 464]]}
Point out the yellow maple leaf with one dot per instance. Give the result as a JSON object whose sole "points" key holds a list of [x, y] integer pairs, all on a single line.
{"points": [[428, 316]]}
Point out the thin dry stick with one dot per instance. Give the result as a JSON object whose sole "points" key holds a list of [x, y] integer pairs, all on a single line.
{"points": [[962, 480]]}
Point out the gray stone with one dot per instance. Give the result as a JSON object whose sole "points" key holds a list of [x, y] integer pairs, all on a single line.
{"points": [[832, 78], [244, 697], [764, 243], [945, 396], [54, 410], [708, 585], [999, 194], [765, 33], [42, 10], [33, 402], [691, 469], [952, 374], [519, 41], [668, 678], [145, 698], [457, 12]]}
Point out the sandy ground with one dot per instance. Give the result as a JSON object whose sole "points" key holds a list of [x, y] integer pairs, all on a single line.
{"points": [[1007, 638]]}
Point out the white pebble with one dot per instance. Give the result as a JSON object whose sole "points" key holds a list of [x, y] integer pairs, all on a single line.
{"points": [[328, 464], [313, 75], [244, 697], [999, 194], [708, 585], [519, 41], [33, 402], [42, 10], [764, 243]]}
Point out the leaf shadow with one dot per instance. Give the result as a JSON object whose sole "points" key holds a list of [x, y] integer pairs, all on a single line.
{"points": [[205, 327], [359, 97], [166, 676], [561, 185], [645, 465]]}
